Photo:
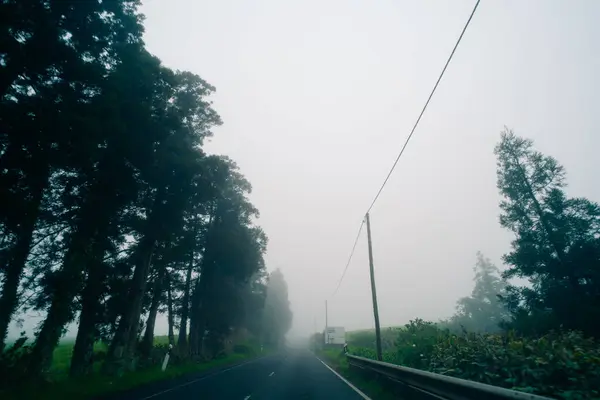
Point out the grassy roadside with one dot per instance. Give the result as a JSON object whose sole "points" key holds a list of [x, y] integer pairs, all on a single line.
{"points": [[100, 385], [371, 387]]}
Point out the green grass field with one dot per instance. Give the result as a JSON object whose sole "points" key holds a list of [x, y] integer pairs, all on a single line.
{"points": [[61, 387], [96, 385], [61, 358]]}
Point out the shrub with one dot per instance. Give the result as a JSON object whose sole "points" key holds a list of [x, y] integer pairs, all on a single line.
{"points": [[561, 364], [564, 364], [14, 363]]}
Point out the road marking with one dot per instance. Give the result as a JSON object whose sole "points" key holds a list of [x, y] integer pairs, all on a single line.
{"points": [[202, 378], [357, 390], [246, 398], [272, 373]]}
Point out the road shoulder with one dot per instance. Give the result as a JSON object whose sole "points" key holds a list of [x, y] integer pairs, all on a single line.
{"points": [[370, 387], [158, 387]]}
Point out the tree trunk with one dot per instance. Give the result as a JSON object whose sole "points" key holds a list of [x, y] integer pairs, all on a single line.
{"points": [[82, 359], [60, 312], [195, 324], [86, 248], [538, 209], [197, 321], [148, 339], [170, 312], [17, 259], [122, 348], [550, 234], [199, 303], [120, 353], [182, 340], [138, 295], [12, 278]]}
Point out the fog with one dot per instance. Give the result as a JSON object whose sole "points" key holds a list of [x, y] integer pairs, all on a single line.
{"points": [[317, 98]]}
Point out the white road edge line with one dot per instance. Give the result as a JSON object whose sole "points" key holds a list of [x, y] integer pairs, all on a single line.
{"points": [[357, 390], [201, 379], [272, 373]]}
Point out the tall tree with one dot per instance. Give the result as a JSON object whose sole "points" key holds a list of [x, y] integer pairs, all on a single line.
{"points": [[181, 123], [101, 202], [254, 295], [557, 241], [113, 213], [277, 315], [483, 311], [55, 56], [233, 253]]}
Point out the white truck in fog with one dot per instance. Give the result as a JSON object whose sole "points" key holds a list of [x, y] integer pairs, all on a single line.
{"points": [[335, 335]]}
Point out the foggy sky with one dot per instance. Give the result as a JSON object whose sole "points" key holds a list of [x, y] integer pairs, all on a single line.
{"points": [[317, 97]]}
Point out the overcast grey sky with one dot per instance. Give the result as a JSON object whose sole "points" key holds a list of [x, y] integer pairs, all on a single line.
{"points": [[317, 97]]}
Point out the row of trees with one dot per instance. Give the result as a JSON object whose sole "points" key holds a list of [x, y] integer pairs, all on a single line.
{"points": [[111, 212], [556, 250]]}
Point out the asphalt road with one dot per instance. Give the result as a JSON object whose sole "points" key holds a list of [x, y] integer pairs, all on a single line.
{"points": [[291, 375]]}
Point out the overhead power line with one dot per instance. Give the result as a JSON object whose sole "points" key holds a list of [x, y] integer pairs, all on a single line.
{"points": [[424, 107], [407, 140], [350, 258]]}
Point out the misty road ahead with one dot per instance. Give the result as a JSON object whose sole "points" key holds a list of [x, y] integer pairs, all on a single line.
{"points": [[295, 374]]}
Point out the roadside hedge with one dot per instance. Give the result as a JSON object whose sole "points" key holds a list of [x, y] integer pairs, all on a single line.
{"points": [[564, 365]]}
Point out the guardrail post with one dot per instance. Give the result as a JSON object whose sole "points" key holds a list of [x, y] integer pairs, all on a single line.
{"points": [[166, 360]]}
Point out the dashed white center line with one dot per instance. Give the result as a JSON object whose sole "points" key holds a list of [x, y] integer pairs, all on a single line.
{"points": [[272, 373]]}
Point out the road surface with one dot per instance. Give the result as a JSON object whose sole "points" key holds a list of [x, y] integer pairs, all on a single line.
{"points": [[291, 375]]}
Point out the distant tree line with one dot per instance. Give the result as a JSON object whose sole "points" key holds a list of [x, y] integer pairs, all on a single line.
{"points": [[111, 213]]}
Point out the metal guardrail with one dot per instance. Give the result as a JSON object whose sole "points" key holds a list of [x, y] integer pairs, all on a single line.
{"points": [[426, 385]]}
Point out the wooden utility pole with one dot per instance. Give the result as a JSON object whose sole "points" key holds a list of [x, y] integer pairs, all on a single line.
{"points": [[315, 336], [374, 292], [326, 333]]}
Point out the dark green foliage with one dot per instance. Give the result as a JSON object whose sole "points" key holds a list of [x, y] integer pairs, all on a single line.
{"points": [[559, 364], [112, 213], [14, 362], [55, 58], [556, 246], [415, 343], [411, 345]]}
